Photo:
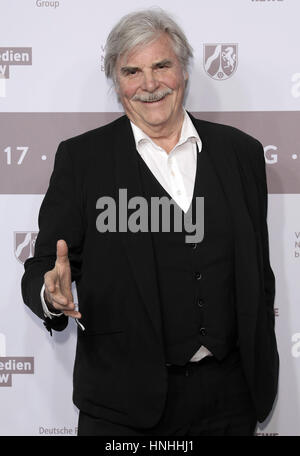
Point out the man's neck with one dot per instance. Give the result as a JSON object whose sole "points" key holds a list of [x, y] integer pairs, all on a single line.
{"points": [[165, 136]]}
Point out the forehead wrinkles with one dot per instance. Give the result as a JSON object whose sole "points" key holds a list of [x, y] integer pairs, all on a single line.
{"points": [[165, 52]]}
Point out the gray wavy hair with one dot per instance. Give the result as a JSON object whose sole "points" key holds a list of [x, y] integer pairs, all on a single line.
{"points": [[140, 28]]}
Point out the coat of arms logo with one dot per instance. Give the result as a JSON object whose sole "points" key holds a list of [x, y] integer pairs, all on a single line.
{"points": [[220, 60]]}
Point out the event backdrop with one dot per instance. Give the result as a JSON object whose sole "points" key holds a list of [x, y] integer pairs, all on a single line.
{"points": [[246, 73]]}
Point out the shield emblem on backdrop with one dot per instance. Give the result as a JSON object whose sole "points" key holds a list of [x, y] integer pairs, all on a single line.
{"points": [[24, 244], [220, 60]]}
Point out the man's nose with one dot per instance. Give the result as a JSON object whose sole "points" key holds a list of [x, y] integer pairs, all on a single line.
{"points": [[149, 83]]}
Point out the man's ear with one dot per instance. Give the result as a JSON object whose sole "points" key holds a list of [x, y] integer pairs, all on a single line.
{"points": [[116, 85], [117, 92], [117, 89], [186, 77]]}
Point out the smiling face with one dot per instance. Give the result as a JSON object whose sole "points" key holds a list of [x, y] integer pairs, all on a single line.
{"points": [[151, 84]]}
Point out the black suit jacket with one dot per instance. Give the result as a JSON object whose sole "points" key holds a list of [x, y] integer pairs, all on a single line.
{"points": [[120, 371]]}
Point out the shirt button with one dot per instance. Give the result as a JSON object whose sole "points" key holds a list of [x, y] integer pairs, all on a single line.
{"points": [[197, 275], [202, 331]]}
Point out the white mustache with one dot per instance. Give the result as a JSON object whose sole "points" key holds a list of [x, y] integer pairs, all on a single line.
{"points": [[152, 96]]}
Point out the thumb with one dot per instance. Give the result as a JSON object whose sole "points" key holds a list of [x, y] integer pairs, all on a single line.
{"points": [[62, 252]]}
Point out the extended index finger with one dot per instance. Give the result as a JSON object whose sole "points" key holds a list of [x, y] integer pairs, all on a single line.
{"points": [[62, 251]]}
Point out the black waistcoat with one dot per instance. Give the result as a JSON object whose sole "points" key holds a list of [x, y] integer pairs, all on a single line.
{"points": [[196, 280]]}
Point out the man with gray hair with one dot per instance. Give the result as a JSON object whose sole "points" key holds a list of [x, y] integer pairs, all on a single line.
{"points": [[174, 338]]}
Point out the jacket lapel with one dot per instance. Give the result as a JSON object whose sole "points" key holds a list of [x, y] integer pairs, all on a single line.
{"points": [[138, 246]]}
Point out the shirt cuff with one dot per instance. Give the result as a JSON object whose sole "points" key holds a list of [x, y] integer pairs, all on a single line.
{"points": [[47, 312]]}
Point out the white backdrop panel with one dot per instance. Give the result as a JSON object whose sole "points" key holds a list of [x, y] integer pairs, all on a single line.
{"points": [[66, 76], [67, 46]]}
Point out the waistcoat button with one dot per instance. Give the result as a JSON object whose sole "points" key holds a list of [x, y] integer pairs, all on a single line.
{"points": [[202, 331], [200, 302]]}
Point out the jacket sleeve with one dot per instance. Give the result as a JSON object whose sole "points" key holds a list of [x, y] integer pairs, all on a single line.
{"points": [[60, 217], [268, 275]]}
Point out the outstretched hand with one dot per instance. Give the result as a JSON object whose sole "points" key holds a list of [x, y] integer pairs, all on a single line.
{"points": [[58, 294]]}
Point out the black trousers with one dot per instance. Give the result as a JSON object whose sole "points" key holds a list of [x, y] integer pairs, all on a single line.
{"points": [[208, 398]]}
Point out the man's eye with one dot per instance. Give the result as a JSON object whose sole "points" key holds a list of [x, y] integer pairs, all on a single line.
{"points": [[130, 72], [163, 65]]}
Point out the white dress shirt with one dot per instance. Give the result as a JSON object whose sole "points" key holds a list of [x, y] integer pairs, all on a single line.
{"points": [[176, 172]]}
